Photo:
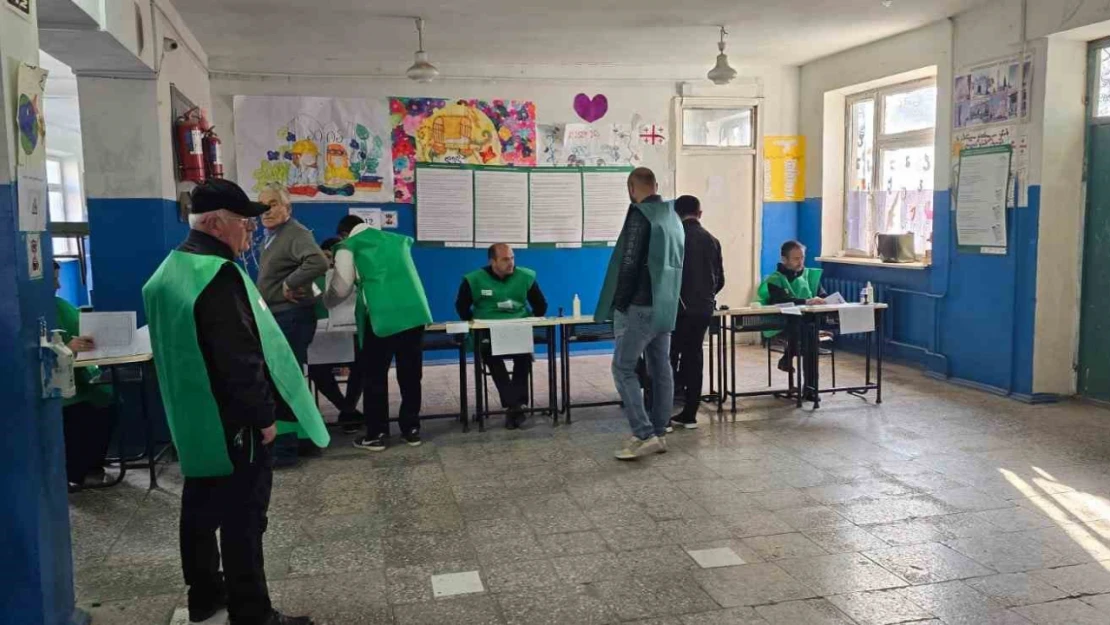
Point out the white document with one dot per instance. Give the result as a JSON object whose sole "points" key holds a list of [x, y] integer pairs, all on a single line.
{"points": [[510, 338], [372, 216], [342, 316], [113, 333], [835, 299], [605, 203], [142, 341], [458, 327], [981, 199], [857, 319], [501, 206], [556, 213], [791, 310], [33, 204], [332, 348], [445, 205]]}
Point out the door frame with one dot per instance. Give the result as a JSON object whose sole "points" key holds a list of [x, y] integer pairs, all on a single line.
{"points": [[679, 150]]}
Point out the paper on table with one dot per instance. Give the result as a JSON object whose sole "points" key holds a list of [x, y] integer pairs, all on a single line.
{"points": [[510, 338], [458, 327], [835, 299], [857, 319], [113, 333], [142, 341], [791, 310], [329, 348], [501, 206]]}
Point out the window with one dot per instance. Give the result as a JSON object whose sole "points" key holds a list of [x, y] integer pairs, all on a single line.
{"points": [[889, 169], [1103, 108], [68, 216], [717, 127]]}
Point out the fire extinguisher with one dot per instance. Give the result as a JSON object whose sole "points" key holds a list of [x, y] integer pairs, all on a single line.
{"points": [[190, 145], [213, 154]]}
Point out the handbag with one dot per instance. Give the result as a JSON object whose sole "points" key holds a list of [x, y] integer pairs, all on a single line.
{"points": [[895, 248]]}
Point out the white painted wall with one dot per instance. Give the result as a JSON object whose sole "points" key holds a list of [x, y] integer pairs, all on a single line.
{"points": [[19, 42]]}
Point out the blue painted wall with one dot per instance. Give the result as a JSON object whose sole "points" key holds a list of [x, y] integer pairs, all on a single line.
{"points": [[780, 223], [72, 289]]}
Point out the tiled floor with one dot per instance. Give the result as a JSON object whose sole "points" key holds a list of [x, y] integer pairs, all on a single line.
{"points": [[943, 505]]}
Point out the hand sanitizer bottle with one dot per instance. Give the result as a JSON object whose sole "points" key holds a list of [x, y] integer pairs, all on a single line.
{"points": [[870, 290], [576, 306]]}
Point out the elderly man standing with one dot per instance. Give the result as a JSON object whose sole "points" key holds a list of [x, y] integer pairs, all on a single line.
{"points": [[640, 294], [227, 378]]}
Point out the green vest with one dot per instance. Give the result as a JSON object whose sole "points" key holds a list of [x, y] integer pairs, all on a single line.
{"points": [[500, 299], [191, 410], [665, 251], [100, 395], [390, 291], [805, 286]]}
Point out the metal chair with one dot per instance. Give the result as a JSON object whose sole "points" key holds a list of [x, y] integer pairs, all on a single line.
{"points": [[778, 345]]}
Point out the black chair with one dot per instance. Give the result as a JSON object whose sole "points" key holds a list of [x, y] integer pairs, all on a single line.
{"points": [[777, 345]]}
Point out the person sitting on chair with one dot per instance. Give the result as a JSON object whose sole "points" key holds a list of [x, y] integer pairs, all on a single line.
{"points": [[793, 283], [501, 290]]}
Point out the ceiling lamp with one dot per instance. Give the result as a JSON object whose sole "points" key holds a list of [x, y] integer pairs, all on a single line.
{"points": [[421, 70], [722, 73]]}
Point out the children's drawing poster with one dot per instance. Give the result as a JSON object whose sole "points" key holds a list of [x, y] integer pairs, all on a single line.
{"points": [[1016, 135], [320, 149], [461, 132], [784, 169], [589, 145], [29, 122], [991, 94]]}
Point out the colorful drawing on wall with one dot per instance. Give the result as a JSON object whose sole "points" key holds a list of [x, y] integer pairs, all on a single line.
{"points": [[991, 94], [320, 149], [591, 109], [653, 134], [550, 144], [476, 132], [29, 121]]}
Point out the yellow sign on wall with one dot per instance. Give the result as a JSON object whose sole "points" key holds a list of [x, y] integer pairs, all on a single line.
{"points": [[784, 169]]}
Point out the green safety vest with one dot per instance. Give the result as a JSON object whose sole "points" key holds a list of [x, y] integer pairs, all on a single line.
{"points": [[100, 395], [191, 410], [805, 286], [665, 252], [390, 291], [500, 299]]}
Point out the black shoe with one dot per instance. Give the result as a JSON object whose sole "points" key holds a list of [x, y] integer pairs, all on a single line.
{"points": [[205, 610], [412, 439], [277, 618], [350, 428], [371, 444], [786, 364], [682, 421]]}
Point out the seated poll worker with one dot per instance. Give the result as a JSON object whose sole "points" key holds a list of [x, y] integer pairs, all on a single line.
{"points": [[88, 418], [230, 384], [391, 312], [793, 283], [323, 375], [501, 290]]}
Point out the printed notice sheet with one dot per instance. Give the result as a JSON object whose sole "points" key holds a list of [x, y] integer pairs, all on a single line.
{"points": [[556, 214], [445, 205], [981, 197], [113, 334], [605, 203], [501, 206]]}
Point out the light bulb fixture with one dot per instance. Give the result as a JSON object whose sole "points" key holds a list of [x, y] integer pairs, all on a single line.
{"points": [[887, 3], [722, 73], [421, 70]]}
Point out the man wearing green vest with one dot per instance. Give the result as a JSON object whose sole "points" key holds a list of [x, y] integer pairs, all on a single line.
{"points": [[793, 283], [640, 294], [391, 312], [501, 290], [230, 384]]}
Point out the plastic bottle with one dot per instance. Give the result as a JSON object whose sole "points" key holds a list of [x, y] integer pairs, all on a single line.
{"points": [[576, 306], [870, 290], [61, 382]]}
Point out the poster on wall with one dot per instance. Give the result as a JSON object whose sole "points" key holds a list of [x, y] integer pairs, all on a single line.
{"points": [[22, 7], [29, 122], [1014, 135], [993, 94], [981, 198], [33, 202], [319, 149], [784, 169], [459, 132], [589, 145]]}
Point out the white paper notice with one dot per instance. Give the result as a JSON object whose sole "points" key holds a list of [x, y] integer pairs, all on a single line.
{"points": [[605, 203], [981, 199], [332, 348], [501, 206], [142, 341], [791, 310], [856, 319], [457, 327], [445, 205], [372, 216], [835, 299], [33, 204], [556, 207], [509, 338], [113, 333]]}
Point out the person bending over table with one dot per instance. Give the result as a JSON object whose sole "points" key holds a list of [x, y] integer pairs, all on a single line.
{"points": [[87, 418], [793, 283], [391, 312], [501, 290], [323, 375]]}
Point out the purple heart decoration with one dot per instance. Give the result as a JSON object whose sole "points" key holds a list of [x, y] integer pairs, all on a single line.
{"points": [[591, 109]]}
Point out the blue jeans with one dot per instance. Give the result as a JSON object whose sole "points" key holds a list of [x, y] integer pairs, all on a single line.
{"points": [[299, 327], [635, 337]]}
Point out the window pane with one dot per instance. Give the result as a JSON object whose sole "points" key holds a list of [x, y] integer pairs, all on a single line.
{"points": [[1104, 83], [910, 110], [905, 202], [717, 127], [860, 174], [64, 246], [53, 172], [57, 207]]}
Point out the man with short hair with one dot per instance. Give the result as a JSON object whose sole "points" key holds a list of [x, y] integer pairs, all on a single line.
{"points": [[229, 383], [703, 276], [793, 283], [501, 290], [640, 294], [348, 223]]}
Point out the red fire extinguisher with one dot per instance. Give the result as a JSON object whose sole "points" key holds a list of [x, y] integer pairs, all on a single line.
{"points": [[213, 154], [190, 145]]}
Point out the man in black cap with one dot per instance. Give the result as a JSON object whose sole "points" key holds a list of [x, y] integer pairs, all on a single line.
{"points": [[230, 383]]}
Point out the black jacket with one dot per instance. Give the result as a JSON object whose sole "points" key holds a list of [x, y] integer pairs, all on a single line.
{"points": [[703, 271], [232, 348], [780, 295], [464, 301], [633, 278]]}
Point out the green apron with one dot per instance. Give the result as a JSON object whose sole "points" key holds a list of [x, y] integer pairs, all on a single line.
{"points": [[805, 286], [390, 291], [665, 252], [99, 395], [500, 299], [191, 410]]}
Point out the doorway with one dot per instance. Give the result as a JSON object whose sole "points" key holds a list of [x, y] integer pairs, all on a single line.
{"points": [[1094, 324]]}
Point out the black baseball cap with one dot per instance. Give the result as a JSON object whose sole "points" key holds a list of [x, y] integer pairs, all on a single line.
{"points": [[218, 194]]}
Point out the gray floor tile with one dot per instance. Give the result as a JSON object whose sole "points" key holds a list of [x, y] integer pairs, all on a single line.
{"points": [[527, 576], [843, 573], [643, 597], [845, 539], [1016, 589], [154, 610], [336, 557], [1010, 553], [572, 543], [413, 584], [879, 607], [731, 616], [958, 604], [808, 612], [1084, 579], [927, 563], [476, 610], [413, 549], [751, 585], [1070, 611], [556, 606], [784, 546], [364, 602]]}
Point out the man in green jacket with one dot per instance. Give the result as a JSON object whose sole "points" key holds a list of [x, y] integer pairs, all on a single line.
{"points": [[230, 384], [792, 283]]}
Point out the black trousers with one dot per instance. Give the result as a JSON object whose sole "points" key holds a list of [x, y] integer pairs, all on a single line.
{"points": [[377, 355], [687, 357], [323, 376], [512, 390], [797, 339], [88, 432], [235, 505]]}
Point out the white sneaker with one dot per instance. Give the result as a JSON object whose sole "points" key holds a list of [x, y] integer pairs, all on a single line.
{"points": [[635, 448], [662, 445]]}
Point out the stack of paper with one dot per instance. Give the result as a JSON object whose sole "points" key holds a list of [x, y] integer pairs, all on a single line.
{"points": [[114, 334]]}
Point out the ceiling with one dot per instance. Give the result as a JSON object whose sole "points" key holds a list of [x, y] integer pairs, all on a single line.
{"points": [[358, 37]]}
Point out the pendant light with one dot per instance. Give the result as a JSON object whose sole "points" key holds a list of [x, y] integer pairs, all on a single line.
{"points": [[421, 70], [722, 73]]}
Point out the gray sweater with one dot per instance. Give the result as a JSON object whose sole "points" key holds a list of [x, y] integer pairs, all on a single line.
{"points": [[292, 258]]}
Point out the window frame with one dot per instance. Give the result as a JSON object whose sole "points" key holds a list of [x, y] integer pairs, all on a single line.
{"points": [[925, 137], [709, 103], [72, 230]]}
